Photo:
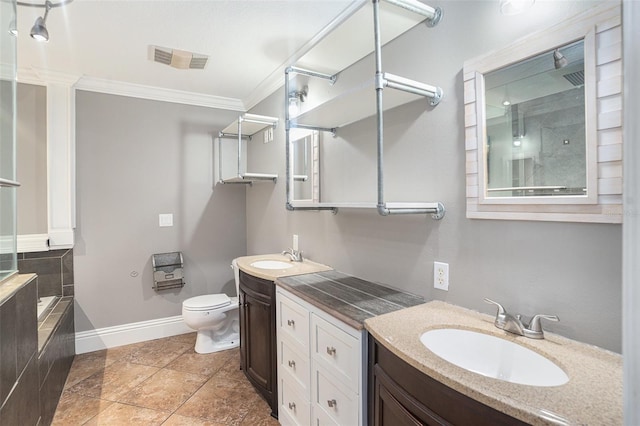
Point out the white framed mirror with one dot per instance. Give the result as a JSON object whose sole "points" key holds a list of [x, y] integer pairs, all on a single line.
{"points": [[543, 119]]}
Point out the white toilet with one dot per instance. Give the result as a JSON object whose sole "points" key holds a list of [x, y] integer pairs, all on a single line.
{"points": [[215, 318]]}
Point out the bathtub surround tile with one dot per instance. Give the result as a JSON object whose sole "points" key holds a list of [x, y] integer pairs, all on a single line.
{"points": [[54, 269], [49, 274], [67, 268], [192, 389]]}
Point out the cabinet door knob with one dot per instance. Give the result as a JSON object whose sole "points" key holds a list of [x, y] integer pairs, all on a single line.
{"points": [[292, 406], [332, 403], [291, 323], [331, 350], [292, 364]]}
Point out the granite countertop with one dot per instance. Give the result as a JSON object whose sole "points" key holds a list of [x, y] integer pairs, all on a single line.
{"points": [[350, 299], [13, 284], [297, 268], [592, 396]]}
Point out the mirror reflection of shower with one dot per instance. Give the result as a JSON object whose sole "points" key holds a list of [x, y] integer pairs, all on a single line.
{"points": [[535, 117]]}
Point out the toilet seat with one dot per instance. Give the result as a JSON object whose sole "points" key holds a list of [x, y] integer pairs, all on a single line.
{"points": [[206, 302]]}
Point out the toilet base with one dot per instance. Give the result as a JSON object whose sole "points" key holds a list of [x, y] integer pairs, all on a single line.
{"points": [[207, 342]]}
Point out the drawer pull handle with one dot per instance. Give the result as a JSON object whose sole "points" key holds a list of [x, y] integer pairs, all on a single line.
{"points": [[331, 350], [292, 406], [291, 323], [332, 403], [292, 364]]}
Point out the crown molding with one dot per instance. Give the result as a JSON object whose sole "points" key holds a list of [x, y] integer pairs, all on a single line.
{"points": [[158, 94], [43, 77]]}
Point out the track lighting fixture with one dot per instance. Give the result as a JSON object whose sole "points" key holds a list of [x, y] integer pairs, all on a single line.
{"points": [[559, 60], [296, 98], [39, 30]]}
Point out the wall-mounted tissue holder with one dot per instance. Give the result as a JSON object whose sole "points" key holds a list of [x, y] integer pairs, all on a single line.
{"points": [[168, 271]]}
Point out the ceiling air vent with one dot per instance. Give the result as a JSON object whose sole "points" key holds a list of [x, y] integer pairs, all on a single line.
{"points": [[575, 78], [180, 59]]}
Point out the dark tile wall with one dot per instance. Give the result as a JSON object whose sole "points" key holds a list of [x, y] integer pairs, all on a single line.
{"points": [[55, 359], [54, 269], [18, 357]]}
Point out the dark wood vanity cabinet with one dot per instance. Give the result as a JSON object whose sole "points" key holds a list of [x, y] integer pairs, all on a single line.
{"points": [[258, 336], [399, 394]]}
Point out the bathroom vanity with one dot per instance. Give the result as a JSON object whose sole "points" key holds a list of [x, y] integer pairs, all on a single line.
{"points": [[322, 343], [258, 337], [410, 382], [258, 318]]}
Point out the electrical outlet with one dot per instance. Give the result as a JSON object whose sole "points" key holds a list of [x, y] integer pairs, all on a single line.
{"points": [[295, 242], [441, 276], [267, 135]]}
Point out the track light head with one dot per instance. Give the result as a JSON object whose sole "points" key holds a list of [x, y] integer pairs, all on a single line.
{"points": [[559, 60], [39, 30]]}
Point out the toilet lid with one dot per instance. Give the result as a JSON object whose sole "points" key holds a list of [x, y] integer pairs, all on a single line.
{"points": [[207, 301]]}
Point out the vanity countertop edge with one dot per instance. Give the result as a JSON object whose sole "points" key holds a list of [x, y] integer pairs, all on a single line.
{"points": [[592, 396], [297, 268]]}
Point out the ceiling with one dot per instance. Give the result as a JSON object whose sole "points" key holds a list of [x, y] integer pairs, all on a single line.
{"points": [[249, 42]]}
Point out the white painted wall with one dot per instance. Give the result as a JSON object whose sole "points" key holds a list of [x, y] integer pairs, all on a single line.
{"points": [[571, 270], [136, 159]]}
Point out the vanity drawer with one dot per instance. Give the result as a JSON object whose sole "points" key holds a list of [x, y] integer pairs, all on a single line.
{"points": [[293, 321], [295, 365], [338, 351], [334, 400], [295, 409]]}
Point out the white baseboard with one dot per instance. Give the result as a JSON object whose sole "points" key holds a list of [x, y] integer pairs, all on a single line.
{"points": [[110, 337]]}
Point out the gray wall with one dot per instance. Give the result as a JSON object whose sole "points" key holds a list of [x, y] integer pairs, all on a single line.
{"points": [[568, 269], [136, 159], [31, 158]]}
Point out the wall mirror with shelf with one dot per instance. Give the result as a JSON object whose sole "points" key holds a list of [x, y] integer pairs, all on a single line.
{"points": [[542, 124], [306, 161]]}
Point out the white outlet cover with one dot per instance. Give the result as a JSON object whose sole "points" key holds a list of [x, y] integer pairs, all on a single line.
{"points": [[441, 276]]}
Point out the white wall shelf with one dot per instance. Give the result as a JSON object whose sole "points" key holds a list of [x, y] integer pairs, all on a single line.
{"points": [[360, 100], [232, 165]]}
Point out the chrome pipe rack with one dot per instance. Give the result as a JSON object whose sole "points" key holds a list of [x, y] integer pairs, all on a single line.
{"points": [[6, 183], [257, 123], [381, 81], [436, 210]]}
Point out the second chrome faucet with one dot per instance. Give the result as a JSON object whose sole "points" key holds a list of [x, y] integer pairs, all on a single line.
{"points": [[513, 323]]}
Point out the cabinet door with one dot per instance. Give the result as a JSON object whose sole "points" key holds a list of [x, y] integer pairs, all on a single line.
{"points": [[394, 406], [255, 339]]}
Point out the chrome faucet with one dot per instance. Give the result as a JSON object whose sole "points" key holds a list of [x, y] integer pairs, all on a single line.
{"points": [[513, 324], [294, 255]]}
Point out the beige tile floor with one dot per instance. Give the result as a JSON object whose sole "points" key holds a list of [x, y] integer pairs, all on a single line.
{"points": [[160, 382]]}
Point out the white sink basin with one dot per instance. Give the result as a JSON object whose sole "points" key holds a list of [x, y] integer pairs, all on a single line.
{"points": [[271, 264], [493, 357]]}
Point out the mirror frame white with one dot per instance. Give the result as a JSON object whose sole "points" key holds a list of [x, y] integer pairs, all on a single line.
{"points": [[600, 28]]}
